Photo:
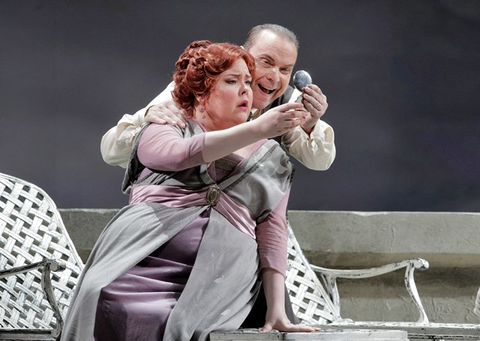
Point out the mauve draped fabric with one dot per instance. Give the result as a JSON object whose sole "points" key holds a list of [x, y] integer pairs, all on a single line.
{"points": [[171, 196], [137, 304]]}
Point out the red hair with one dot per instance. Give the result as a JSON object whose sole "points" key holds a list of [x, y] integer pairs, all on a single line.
{"points": [[198, 68]]}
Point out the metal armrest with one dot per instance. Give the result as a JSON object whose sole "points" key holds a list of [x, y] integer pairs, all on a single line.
{"points": [[330, 276], [47, 266]]}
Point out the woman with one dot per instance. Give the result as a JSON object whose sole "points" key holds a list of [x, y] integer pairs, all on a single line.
{"points": [[206, 216]]}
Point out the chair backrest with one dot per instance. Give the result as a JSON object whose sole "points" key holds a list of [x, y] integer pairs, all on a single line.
{"points": [[31, 229], [476, 309], [311, 302]]}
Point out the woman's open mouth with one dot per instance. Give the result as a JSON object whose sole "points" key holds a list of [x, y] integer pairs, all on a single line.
{"points": [[243, 105]]}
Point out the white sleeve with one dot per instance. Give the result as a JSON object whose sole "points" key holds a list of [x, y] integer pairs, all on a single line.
{"points": [[315, 151], [116, 145]]}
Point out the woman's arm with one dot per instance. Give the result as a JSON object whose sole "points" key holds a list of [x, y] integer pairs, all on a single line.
{"points": [[272, 238], [162, 148], [314, 147]]}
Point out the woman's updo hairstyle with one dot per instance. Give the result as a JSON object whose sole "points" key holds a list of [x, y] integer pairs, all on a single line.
{"points": [[198, 68]]}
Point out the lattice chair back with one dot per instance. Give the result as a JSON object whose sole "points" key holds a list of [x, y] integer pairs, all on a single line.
{"points": [[31, 231], [311, 302]]}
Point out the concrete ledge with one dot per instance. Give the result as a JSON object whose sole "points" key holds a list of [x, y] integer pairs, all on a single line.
{"points": [[359, 239], [85, 225], [337, 239]]}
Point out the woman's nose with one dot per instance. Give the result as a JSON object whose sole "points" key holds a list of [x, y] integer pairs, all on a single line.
{"points": [[244, 88]]}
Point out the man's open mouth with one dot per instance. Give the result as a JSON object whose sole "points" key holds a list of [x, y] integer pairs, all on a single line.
{"points": [[265, 90]]}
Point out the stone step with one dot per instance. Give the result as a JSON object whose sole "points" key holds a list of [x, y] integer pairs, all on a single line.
{"points": [[421, 331], [333, 334]]}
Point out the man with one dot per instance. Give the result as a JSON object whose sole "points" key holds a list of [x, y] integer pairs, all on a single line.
{"points": [[275, 51]]}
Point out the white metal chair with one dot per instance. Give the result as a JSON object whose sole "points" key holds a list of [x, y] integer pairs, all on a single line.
{"points": [[39, 266], [316, 301], [315, 298]]}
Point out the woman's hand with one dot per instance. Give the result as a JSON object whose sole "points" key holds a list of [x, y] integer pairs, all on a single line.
{"points": [[276, 318], [279, 120], [165, 113], [283, 324], [273, 123]]}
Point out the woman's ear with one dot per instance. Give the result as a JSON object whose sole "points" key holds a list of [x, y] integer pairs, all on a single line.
{"points": [[199, 98]]}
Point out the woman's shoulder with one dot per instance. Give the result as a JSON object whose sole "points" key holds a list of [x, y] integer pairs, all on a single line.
{"points": [[192, 127]]}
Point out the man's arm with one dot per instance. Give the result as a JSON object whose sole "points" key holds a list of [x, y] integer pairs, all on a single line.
{"points": [[116, 144], [316, 149]]}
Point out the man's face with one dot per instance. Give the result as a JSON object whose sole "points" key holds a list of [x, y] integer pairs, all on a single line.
{"points": [[275, 58]]}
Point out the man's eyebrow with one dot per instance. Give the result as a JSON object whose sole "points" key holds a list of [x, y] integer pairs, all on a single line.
{"points": [[265, 55], [270, 58]]}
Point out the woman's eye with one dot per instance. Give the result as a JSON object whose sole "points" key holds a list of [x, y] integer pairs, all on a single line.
{"points": [[232, 81]]}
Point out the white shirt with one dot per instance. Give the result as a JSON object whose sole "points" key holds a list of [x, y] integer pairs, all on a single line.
{"points": [[315, 150]]}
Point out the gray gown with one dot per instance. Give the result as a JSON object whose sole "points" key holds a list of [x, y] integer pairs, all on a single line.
{"points": [[224, 280]]}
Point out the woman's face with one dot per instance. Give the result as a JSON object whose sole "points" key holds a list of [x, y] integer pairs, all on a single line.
{"points": [[230, 100]]}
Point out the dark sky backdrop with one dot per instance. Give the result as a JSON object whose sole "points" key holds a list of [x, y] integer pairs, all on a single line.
{"points": [[402, 80]]}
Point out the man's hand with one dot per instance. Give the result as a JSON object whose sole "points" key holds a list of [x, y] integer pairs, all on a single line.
{"points": [[165, 113], [316, 104]]}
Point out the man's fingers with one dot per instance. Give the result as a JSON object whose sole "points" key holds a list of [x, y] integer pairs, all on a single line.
{"points": [[315, 101], [155, 119], [164, 116], [315, 107], [313, 90], [180, 118]]}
